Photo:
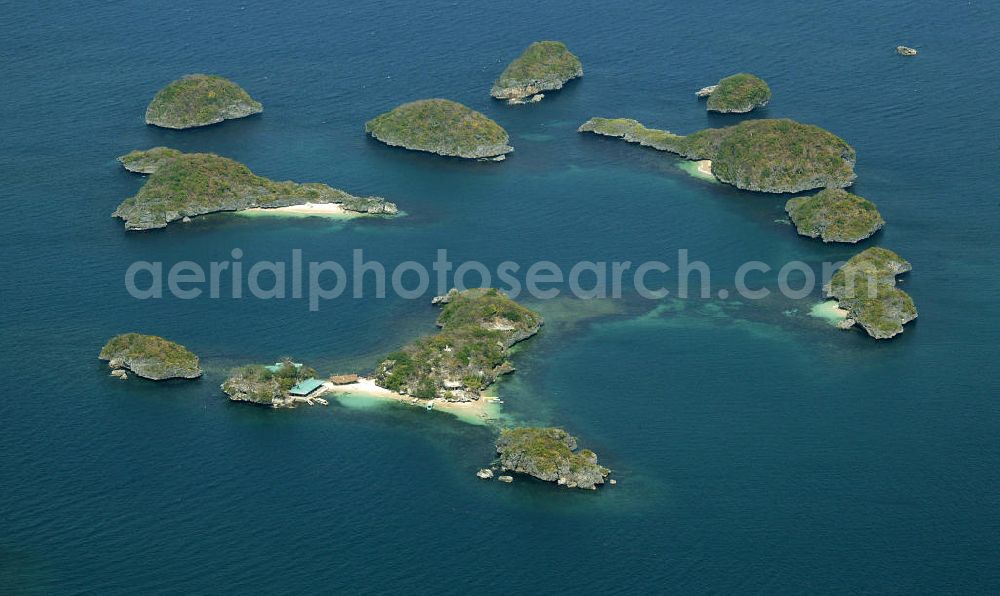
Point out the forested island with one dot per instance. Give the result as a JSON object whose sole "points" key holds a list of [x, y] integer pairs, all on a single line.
{"points": [[183, 185], [866, 288], [737, 94], [544, 66], [834, 215], [149, 356], [549, 454], [200, 100], [768, 155], [443, 127], [478, 327]]}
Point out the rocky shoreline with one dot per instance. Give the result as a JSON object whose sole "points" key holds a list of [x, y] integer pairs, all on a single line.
{"points": [[150, 357], [835, 215], [549, 454], [543, 66], [866, 288], [442, 127], [200, 100]]}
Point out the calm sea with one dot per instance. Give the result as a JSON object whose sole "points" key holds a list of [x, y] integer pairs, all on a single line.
{"points": [[756, 448]]}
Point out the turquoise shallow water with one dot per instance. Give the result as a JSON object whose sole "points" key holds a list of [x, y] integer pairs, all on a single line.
{"points": [[756, 448]]}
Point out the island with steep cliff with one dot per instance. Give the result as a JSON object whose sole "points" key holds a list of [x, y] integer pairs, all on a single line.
{"points": [[767, 155], [200, 100], [834, 215], [543, 66], [737, 94], [866, 288], [149, 356], [549, 454], [443, 127], [184, 185], [280, 385], [478, 328]]}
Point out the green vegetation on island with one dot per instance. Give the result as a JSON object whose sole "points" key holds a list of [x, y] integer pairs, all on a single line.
{"points": [[738, 94], [835, 215], [150, 357], [543, 66], [478, 327], [190, 184], [443, 127], [266, 385], [769, 155], [146, 162], [200, 100], [866, 288], [549, 454]]}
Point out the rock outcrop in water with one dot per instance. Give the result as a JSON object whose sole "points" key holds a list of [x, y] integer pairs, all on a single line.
{"points": [[544, 66], [549, 454], [183, 185], [478, 327], [905, 51], [835, 215], [767, 155], [737, 94], [443, 127], [200, 100], [150, 357], [866, 288]]}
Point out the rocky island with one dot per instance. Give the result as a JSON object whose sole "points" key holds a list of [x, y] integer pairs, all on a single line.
{"points": [[834, 215], [200, 100], [274, 386], [736, 94], [478, 328], [767, 155], [150, 357], [866, 288], [549, 454], [544, 66], [905, 51], [443, 127], [183, 185]]}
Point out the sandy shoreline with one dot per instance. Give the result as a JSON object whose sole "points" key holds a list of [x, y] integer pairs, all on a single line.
{"points": [[699, 169], [476, 412], [321, 209], [829, 310]]}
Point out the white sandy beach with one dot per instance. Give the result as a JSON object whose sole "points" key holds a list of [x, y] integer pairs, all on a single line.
{"points": [[475, 412], [828, 310], [320, 209], [699, 169]]}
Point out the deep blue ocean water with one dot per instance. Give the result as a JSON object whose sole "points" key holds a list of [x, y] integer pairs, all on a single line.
{"points": [[756, 448]]}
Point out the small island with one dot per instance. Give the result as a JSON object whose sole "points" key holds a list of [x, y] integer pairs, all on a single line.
{"points": [[866, 288], [767, 155], [834, 215], [549, 454], [443, 127], [283, 384], [544, 66], [150, 357], [478, 328], [200, 100], [736, 94], [184, 185]]}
